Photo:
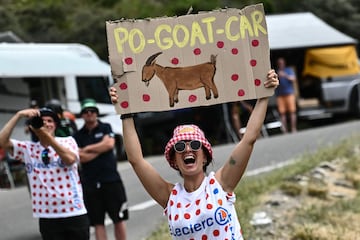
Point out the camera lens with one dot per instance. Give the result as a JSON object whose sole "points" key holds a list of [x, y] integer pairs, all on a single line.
{"points": [[36, 122]]}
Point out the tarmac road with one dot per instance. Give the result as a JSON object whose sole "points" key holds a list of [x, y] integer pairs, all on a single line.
{"points": [[16, 222]]}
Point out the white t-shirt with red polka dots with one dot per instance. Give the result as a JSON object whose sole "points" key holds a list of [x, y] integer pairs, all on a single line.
{"points": [[207, 213], [56, 190]]}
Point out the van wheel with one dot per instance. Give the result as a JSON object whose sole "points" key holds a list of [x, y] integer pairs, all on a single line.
{"points": [[355, 102]]}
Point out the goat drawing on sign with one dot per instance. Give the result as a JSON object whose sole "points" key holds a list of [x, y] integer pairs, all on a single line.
{"points": [[182, 78]]}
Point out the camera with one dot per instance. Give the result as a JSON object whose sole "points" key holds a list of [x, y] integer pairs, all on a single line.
{"points": [[36, 122]]}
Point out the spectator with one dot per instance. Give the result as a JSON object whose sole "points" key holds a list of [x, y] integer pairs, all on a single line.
{"points": [[285, 95], [103, 188], [239, 111], [67, 126], [51, 163], [202, 206]]}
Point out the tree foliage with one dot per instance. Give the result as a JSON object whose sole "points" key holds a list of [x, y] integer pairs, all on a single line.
{"points": [[83, 21]]}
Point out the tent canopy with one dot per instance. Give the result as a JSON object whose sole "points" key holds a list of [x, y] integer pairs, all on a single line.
{"points": [[303, 30]]}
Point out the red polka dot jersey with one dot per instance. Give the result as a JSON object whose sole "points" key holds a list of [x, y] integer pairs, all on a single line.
{"points": [[206, 214], [55, 187]]}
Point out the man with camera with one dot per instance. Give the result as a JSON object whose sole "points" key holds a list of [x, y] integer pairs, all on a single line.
{"points": [[52, 171]]}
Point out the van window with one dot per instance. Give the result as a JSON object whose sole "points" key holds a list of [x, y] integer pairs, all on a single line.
{"points": [[93, 87]]}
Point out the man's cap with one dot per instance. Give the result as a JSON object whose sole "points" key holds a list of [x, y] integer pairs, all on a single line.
{"points": [[186, 133], [55, 105], [89, 103]]}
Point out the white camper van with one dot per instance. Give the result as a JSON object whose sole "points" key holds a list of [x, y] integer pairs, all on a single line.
{"points": [[68, 72]]}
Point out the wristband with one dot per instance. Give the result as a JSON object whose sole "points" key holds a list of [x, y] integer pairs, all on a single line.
{"points": [[126, 115]]}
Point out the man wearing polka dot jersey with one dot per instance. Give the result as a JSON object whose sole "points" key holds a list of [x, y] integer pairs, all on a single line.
{"points": [[52, 171], [202, 206]]}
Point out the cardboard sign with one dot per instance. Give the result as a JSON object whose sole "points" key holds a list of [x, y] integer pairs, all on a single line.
{"points": [[202, 59]]}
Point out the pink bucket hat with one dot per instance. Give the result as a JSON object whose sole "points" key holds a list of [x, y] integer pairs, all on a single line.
{"points": [[186, 132]]}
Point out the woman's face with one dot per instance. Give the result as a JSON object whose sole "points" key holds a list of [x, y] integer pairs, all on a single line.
{"points": [[190, 161]]}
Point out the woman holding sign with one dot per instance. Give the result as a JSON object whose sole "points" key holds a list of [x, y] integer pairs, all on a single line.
{"points": [[202, 206]]}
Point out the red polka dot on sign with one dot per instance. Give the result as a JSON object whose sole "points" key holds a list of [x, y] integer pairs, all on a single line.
{"points": [[175, 61], [123, 86], [255, 43], [234, 51], [216, 233], [197, 51], [124, 104], [128, 60], [176, 217], [212, 181], [257, 82], [192, 98], [204, 237], [209, 206], [198, 211], [171, 202], [197, 202], [174, 192], [187, 216], [241, 92], [235, 77], [253, 62], [178, 205], [146, 97], [220, 44]]}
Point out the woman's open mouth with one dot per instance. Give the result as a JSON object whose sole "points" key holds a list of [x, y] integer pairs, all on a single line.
{"points": [[189, 160]]}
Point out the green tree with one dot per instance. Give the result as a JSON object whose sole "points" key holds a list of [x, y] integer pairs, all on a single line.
{"points": [[83, 21]]}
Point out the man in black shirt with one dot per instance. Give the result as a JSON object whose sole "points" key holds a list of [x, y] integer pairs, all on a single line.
{"points": [[104, 191]]}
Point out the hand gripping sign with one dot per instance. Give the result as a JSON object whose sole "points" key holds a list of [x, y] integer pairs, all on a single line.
{"points": [[201, 59]]}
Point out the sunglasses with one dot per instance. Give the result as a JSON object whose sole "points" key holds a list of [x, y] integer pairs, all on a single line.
{"points": [[45, 156], [180, 146], [89, 111]]}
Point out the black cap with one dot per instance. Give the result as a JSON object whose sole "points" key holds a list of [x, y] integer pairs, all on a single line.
{"points": [[50, 113], [55, 105]]}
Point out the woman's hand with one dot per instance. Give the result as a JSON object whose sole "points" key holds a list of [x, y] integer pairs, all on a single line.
{"points": [[113, 95], [272, 80]]}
